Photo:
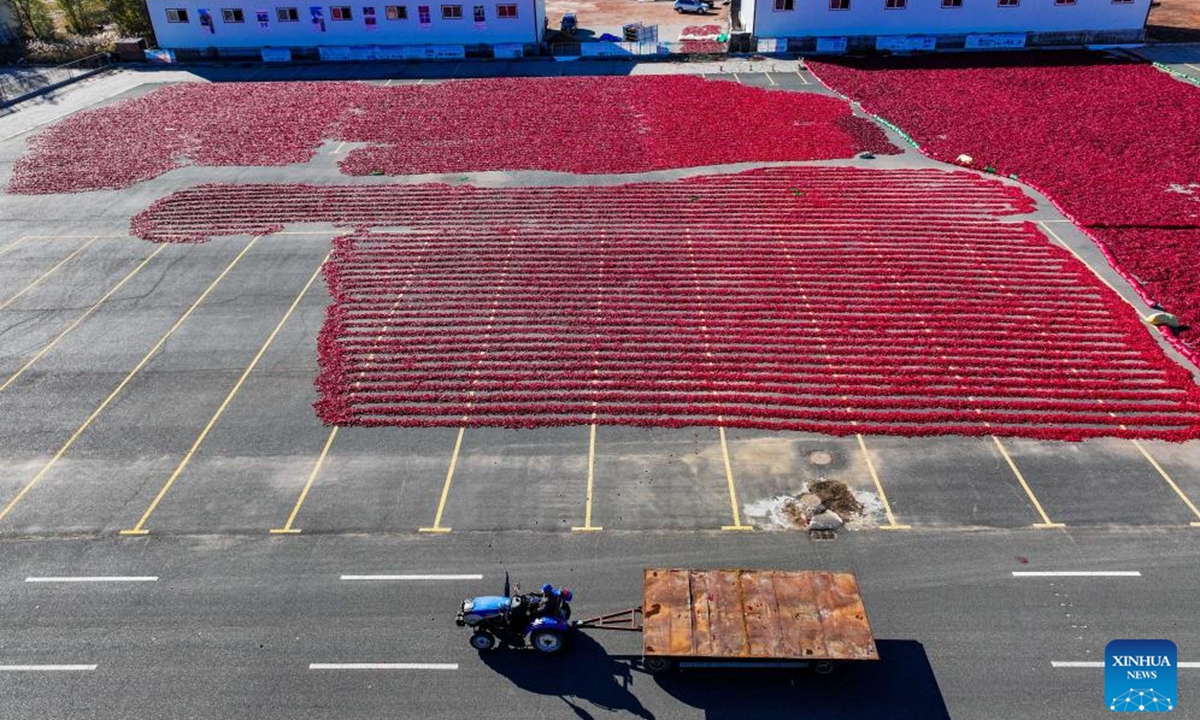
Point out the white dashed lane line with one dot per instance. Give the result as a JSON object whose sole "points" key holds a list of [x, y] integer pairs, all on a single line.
{"points": [[93, 579], [383, 666], [1076, 573], [46, 668], [412, 577]]}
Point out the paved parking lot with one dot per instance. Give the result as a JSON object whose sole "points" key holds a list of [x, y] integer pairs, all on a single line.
{"points": [[193, 365], [156, 425], [167, 389]]}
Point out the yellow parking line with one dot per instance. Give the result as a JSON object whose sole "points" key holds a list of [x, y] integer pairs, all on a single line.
{"points": [[287, 528], [75, 323], [139, 529], [587, 512], [883, 498], [1178, 491], [47, 274], [1045, 523], [129, 377], [14, 245], [733, 498], [437, 518]]}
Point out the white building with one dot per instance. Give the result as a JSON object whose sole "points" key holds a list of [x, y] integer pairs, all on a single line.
{"points": [[837, 25], [392, 29]]}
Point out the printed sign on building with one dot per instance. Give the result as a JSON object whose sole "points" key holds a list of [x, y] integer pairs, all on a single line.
{"points": [[772, 45], [206, 21], [508, 50], [264, 19], [905, 43], [831, 45], [318, 18], [369, 17], [276, 54], [995, 41]]}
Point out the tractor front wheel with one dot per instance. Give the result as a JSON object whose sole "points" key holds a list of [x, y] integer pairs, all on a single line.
{"points": [[483, 641]]}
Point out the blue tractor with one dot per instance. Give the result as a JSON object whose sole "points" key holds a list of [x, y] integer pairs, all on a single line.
{"points": [[538, 620]]}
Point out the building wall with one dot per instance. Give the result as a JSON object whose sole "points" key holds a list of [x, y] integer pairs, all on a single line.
{"points": [[525, 28], [813, 18]]}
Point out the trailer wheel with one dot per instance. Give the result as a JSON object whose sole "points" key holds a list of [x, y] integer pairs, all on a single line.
{"points": [[483, 641], [547, 641], [823, 667], [656, 665]]}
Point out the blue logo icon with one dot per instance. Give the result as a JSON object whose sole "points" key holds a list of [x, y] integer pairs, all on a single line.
{"points": [[1141, 676]]}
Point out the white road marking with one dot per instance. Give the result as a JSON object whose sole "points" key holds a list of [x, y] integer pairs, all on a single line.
{"points": [[94, 578], [1076, 573], [1098, 664], [383, 666], [412, 577], [45, 668]]}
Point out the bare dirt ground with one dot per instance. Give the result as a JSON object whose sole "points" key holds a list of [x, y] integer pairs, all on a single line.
{"points": [[1175, 21], [597, 17]]}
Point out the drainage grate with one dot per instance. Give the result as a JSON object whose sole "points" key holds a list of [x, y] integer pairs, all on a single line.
{"points": [[822, 535]]}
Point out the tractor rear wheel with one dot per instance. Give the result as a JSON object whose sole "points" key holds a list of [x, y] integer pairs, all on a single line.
{"points": [[547, 641]]}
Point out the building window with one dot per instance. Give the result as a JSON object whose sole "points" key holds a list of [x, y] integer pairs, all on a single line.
{"points": [[396, 12], [839, 4], [896, 4], [506, 12], [785, 5], [480, 14], [340, 12], [233, 15], [952, 3], [452, 12], [1122, 2], [176, 15], [423, 15], [1064, 2], [287, 14], [1008, 3]]}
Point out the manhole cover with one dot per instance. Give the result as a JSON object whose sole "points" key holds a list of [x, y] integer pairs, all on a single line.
{"points": [[820, 457], [822, 535]]}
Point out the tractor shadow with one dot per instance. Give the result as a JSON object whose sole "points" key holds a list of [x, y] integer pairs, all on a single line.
{"points": [[584, 671], [900, 685]]}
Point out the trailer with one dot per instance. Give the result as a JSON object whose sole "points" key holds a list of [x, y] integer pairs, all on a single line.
{"points": [[746, 619]]}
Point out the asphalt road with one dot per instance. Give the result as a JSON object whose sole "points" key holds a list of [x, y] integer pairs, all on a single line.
{"points": [[145, 391], [231, 626]]}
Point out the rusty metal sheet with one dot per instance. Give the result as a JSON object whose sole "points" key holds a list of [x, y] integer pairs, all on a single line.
{"points": [[666, 613], [702, 644], [760, 613], [799, 616], [755, 613], [728, 626], [843, 617]]}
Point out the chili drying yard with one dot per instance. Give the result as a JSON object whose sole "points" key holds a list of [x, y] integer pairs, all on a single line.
{"points": [[285, 331]]}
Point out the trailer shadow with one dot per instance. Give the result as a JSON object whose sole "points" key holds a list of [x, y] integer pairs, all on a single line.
{"points": [[901, 684], [585, 671]]}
